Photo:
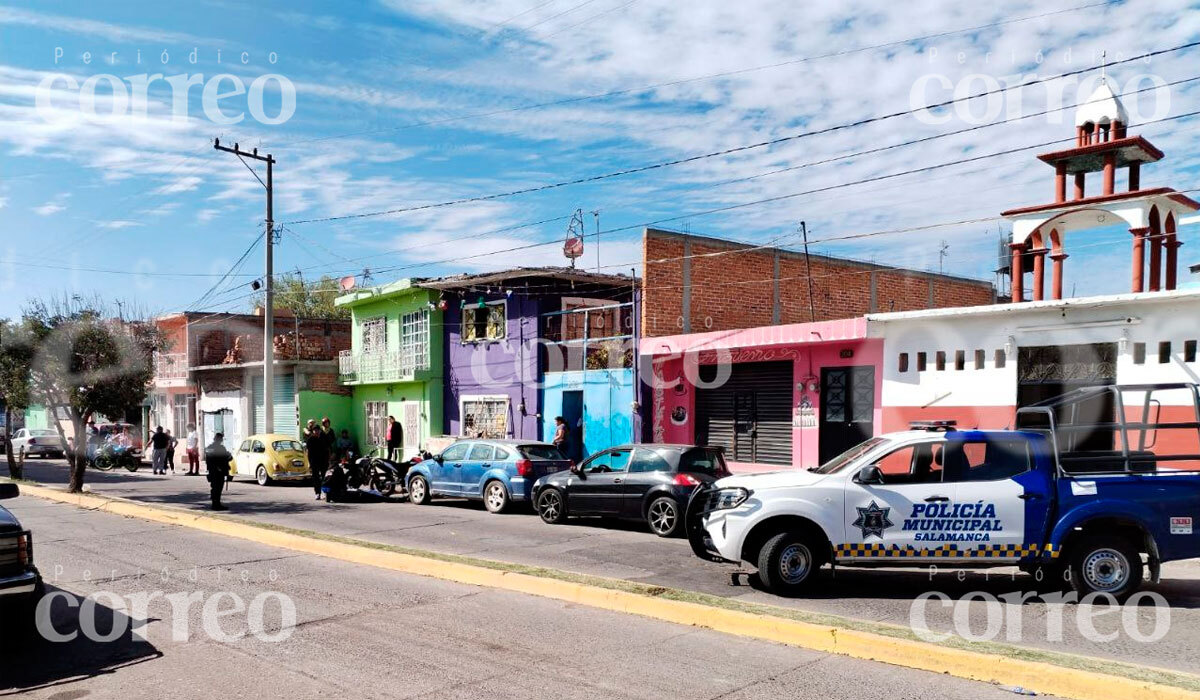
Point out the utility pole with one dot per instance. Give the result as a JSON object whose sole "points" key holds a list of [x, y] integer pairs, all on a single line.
{"points": [[812, 309], [269, 284]]}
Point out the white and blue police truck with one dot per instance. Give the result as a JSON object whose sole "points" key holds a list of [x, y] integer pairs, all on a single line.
{"points": [[1098, 486]]}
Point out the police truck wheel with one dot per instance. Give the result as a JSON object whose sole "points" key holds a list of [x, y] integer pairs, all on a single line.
{"points": [[261, 476], [495, 497], [418, 491], [1105, 565], [551, 506], [787, 564]]}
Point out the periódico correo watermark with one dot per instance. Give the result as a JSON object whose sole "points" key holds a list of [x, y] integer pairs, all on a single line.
{"points": [[224, 616]]}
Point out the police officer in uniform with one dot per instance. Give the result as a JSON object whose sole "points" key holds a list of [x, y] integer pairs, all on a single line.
{"points": [[217, 459]]}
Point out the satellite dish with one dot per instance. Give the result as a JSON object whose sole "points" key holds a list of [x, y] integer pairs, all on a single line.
{"points": [[346, 283]]}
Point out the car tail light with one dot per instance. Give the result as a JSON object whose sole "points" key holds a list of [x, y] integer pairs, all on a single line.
{"points": [[24, 549], [32, 441], [416, 459], [525, 467], [686, 480]]}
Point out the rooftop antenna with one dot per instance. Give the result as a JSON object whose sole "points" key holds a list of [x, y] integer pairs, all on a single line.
{"points": [[573, 247], [596, 216], [1103, 65], [812, 309], [942, 253]]}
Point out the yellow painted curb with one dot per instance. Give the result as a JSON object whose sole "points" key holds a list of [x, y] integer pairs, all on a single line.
{"points": [[1037, 676]]}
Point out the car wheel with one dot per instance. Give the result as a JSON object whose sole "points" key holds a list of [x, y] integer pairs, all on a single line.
{"points": [[551, 506], [663, 516], [787, 564], [495, 497], [261, 476], [1110, 565], [418, 491]]}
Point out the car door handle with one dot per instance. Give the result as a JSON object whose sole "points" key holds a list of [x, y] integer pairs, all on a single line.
{"points": [[937, 499], [616, 481], [486, 465], [1030, 496]]}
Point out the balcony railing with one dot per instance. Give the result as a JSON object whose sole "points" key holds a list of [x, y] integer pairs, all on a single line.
{"points": [[170, 366], [398, 365]]}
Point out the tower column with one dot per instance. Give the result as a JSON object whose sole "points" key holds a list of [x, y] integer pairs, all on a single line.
{"points": [[1060, 181], [1135, 177], [1139, 257], [1018, 272], [1156, 249], [1172, 244], [1110, 172], [1039, 273], [1056, 284], [1079, 179]]}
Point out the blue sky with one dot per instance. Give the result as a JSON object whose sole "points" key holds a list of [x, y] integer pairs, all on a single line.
{"points": [[404, 103]]}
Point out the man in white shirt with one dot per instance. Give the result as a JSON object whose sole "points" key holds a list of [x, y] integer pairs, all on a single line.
{"points": [[193, 450]]}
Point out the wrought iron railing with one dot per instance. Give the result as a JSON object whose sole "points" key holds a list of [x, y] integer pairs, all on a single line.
{"points": [[397, 365], [170, 366]]}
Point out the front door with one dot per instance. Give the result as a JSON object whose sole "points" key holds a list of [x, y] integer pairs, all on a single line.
{"points": [[879, 517], [600, 488], [847, 409], [446, 471]]}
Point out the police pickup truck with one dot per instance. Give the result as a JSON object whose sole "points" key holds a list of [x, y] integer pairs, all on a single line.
{"points": [[1095, 486]]}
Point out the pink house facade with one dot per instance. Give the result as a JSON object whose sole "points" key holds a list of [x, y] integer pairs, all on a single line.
{"points": [[788, 396]]}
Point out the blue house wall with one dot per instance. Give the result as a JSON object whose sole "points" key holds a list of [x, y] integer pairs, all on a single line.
{"points": [[608, 396]]}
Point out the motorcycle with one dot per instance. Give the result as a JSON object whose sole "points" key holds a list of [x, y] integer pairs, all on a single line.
{"points": [[110, 456], [377, 474]]}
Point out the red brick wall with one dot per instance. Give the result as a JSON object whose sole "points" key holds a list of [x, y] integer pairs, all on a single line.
{"points": [[327, 382], [736, 289], [212, 337]]}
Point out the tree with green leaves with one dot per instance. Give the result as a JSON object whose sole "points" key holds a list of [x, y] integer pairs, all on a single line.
{"points": [[84, 363], [306, 299], [15, 359]]}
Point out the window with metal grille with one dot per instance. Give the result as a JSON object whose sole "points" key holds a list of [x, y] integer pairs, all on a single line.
{"points": [[414, 339], [376, 415], [485, 417], [374, 336]]}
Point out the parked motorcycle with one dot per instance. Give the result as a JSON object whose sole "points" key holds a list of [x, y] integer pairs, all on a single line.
{"points": [[377, 474], [109, 456]]}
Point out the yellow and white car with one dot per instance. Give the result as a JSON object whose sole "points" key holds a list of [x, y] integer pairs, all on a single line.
{"points": [[270, 457]]}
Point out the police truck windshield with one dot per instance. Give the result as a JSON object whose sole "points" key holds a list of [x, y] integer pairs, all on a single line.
{"points": [[848, 456]]}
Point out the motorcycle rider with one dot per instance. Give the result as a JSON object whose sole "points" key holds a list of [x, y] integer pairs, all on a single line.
{"points": [[217, 459]]}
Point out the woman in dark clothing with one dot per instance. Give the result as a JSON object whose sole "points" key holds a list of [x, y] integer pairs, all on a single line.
{"points": [[317, 446]]}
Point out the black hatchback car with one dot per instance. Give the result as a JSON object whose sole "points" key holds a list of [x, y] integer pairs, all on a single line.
{"points": [[20, 583], [635, 482]]}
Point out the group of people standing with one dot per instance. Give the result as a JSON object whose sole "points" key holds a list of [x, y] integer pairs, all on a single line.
{"points": [[162, 450]]}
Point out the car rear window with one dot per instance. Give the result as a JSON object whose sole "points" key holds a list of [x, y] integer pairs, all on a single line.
{"points": [[282, 445], [704, 461], [43, 433], [541, 452]]}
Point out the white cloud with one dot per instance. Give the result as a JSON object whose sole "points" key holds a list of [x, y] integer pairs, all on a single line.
{"points": [[117, 224], [49, 208]]}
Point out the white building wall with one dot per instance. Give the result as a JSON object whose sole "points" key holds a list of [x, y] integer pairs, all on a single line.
{"points": [[1126, 320]]}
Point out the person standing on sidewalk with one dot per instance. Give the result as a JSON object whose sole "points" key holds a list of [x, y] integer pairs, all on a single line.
{"points": [[192, 444], [217, 459], [561, 435], [317, 447], [158, 452], [395, 439], [172, 442]]}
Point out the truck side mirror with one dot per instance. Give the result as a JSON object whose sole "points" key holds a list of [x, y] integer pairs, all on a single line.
{"points": [[869, 475], [9, 490]]}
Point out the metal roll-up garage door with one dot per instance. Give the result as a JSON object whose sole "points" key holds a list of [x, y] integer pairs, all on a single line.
{"points": [[750, 415], [285, 406]]}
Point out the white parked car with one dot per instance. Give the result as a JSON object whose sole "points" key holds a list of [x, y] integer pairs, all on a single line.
{"points": [[41, 442]]}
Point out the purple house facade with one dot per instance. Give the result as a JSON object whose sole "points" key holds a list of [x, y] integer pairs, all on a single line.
{"points": [[504, 333]]}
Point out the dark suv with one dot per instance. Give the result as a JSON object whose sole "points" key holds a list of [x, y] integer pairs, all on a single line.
{"points": [[20, 582], [635, 482]]}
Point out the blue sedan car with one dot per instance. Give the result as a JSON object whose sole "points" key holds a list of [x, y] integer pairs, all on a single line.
{"points": [[497, 472]]}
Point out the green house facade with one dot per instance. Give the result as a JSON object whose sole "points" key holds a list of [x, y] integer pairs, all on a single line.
{"points": [[394, 366]]}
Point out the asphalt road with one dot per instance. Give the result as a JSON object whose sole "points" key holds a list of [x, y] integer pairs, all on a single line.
{"points": [[367, 633], [628, 551]]}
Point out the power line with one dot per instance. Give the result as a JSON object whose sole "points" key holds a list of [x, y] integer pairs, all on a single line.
{"points": [[710, 76], [723, 152]]}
